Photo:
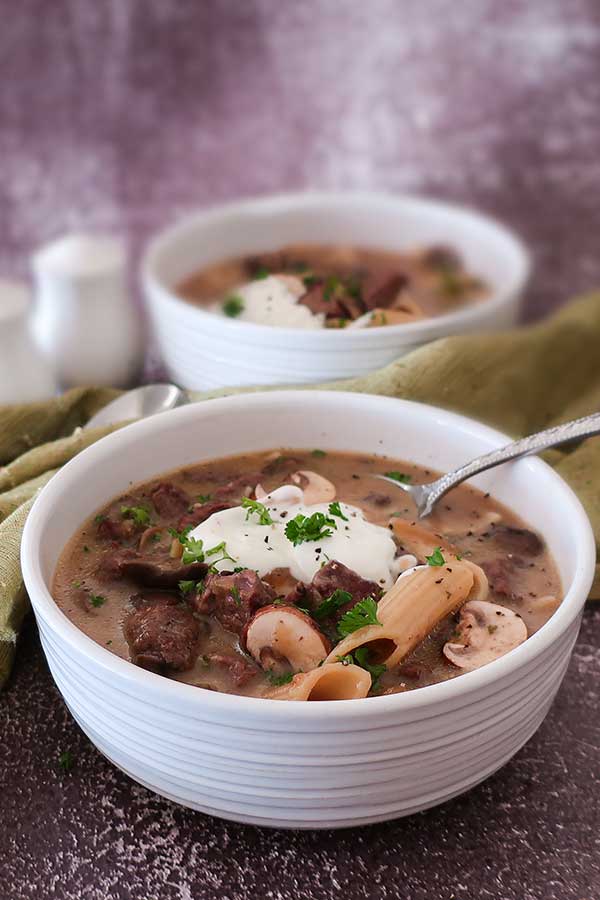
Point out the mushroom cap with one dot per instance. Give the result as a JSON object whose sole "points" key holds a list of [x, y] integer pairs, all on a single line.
{"points": [[317, 488], [485, 632], [286, 495], [283, 637]]}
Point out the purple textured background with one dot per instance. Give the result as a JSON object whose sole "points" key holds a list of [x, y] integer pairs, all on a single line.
{"points": [[124, 114]]}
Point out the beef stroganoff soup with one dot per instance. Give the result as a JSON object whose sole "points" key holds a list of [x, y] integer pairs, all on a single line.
{"points": [[314, 286], [295, 574]]}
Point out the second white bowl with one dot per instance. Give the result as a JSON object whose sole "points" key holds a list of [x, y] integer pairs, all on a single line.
{"points": [[203, 351]]}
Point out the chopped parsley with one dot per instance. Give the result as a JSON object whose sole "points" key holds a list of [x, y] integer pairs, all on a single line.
{"points": [[181, 536], [219, 548], [436, 558], [193, 551], [235, 593], [362, 613], [233, 306], [336, 510], [253, 506], [66, 761], [309, 528], [204, 498], [331, 604], [319, 453], [186, 587], [139, 514], [278, 680], [97, 600], [99, 518], [333, 287], [401, 477], [261, 274]]}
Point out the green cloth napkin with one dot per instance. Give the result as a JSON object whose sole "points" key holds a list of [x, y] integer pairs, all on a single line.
{"points": [[520, 381]]}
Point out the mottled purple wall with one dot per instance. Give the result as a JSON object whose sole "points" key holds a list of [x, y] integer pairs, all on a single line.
{"points": [[123, 114]]}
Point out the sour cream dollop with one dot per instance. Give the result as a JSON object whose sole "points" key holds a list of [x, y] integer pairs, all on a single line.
{"points": [[366, 548], [274, 301]]}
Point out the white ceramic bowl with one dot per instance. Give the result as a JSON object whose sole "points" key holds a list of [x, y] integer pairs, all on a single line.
{"points": [[202, 351], [310, 765]]}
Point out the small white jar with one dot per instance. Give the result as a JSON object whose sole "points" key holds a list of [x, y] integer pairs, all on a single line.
{"points": [[83, 322], [24, 374]]}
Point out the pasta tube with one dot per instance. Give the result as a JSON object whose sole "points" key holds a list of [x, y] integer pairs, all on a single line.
{"points": [[329, 682]]}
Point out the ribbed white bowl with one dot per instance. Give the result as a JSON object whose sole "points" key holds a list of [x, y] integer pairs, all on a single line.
{"points": [[203, 351], [292, 764]]}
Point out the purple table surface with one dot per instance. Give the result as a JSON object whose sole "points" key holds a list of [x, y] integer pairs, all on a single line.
{"points": [[125, 114]]}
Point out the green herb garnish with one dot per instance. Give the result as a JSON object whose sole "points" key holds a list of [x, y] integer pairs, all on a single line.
{"points": [[233, 306], [253, 506], [336, 510], [436, 558], [331, 604], [97, 600], [181, 536], [235, 593], [362, 613], [318, 453], [309, 528], [99, 518], [398, 476], [139, 514], [333, 286], [193, 551], [278, 680], [261, 274], [375, 670], [66, 761], [204, 498], [219, 548], [186, 587]]}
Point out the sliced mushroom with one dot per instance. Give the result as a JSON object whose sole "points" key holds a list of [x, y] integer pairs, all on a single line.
{"points": [[281, 638], [485, 632], [286, 495], [317, 489]]}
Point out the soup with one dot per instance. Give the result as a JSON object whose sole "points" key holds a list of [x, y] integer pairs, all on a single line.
{"points": [[313, 286], [295, 574]]}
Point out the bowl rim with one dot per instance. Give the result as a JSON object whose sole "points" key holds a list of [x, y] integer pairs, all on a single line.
{"points": [[166, 240], [169, 690]]}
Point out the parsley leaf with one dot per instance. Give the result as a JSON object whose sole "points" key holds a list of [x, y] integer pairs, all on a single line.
{"points": [[331, 604], [180, 535], [97, 600], [233, 306], [204, 498], [336, 510], [139, 514], [278, 680], [219, 548], [66, 761], [253, 506], [319, 453], [261, 274], [436, 558], [186, 587], [398, 476], [309, 528], [193, 551], [362, 613]]}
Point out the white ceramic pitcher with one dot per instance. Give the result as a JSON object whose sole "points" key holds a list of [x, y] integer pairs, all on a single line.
{"points": [[24, 373]]}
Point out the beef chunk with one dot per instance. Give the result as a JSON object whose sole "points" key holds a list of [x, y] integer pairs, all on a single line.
{"points": [[233, 598], [200, 512], [319, 300], [241, 670], [380, 291], [168, 500], [161, 632], [304, 595], [336, 576], [502, 574], [149, 571], [517, 540]]}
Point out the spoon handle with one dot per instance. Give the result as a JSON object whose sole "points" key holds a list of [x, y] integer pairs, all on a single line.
{"points": [[551, 437]]}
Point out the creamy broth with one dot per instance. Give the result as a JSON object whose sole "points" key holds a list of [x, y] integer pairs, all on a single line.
{"points": [[335, 286], [94, 588]]}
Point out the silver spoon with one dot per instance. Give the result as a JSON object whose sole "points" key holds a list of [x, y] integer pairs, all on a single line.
{"points": [[139, 404], [425, 496]]}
